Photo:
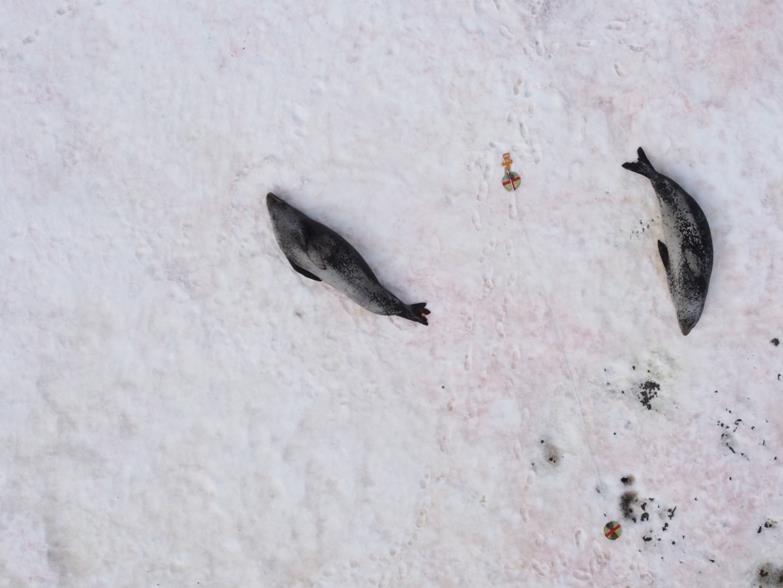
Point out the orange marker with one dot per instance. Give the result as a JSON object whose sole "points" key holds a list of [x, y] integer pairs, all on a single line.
{"points": [[511, 179]]}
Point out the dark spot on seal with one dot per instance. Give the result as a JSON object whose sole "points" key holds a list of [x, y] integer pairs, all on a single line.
{"points": [[627, 500], [647, 392], [775, 341], [627, 480]]}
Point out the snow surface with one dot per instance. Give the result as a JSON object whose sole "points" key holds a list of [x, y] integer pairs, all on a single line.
{"points": [[179, 408]]}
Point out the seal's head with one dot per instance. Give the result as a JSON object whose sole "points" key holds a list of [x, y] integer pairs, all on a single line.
{"points": [[279, 209], [275, 204], [286, 220]]}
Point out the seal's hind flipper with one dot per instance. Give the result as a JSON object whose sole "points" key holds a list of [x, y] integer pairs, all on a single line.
{"points": [[304, 272], [643, 156], [642, 166], [417, 312]]}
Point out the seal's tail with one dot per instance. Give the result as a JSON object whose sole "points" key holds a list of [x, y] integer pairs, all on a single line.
{"points": [[642, 166], [416, 312]]}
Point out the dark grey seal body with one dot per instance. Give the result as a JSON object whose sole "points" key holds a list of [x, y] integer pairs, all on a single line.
{"points": [[686, 251], [317, 252]]}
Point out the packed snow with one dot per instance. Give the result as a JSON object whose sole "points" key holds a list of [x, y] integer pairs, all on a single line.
{"points": [[180, 408]]}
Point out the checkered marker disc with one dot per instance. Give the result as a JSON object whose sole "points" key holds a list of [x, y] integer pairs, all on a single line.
{"points": [[511, 180], [613, 530]]}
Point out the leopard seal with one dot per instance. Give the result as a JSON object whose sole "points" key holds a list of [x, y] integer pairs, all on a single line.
{"points": [[686, 249], [319, 253]]}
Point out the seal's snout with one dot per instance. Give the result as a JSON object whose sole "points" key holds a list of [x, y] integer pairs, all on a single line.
{"points": [[271, 199], [275, 205], [686, 324]]}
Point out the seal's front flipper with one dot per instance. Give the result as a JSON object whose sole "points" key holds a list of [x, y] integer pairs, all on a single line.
{"points": [[642, 166], [304, 272], [318, 246], [664, 253]]}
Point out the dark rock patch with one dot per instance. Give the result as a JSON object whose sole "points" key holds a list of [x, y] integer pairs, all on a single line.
{"points": [[770, 575], [627, 502], [647, 392], [552, 454]]}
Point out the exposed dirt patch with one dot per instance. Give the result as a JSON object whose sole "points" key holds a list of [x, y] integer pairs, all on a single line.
{"points": [[647, 392]]}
